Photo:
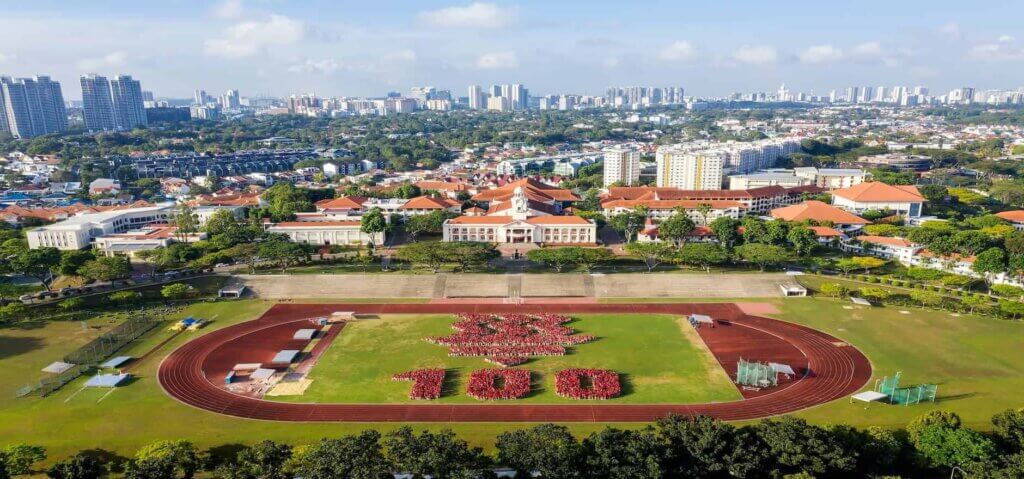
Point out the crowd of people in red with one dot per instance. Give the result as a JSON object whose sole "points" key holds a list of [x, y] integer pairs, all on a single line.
{"points": [[509, 339], [579, 383], [426, 382], [496, 384]]}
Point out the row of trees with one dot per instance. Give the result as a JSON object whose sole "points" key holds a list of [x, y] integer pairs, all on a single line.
{"points": [[675, 446], [45, 264]]}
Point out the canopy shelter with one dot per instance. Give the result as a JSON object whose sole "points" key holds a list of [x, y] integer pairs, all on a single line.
{"points": [[58, 367], [860, 301], [262, 374], [701, 318], [782, 369], [285, 356], [246, 367], [304, 334], [107, 380], [791, 288], [233, 291], [115, 362]]}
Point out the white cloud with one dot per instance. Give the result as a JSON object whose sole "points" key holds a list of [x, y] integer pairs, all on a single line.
{"points": [[474, 15], [819, 54], [110, 60], [951, 29], [227, 9], [1006, 39], [4, 57], [248, 38], [868, 49], [324, 67], [497, 60], [755, 54], [993, 52], [678, 51]]}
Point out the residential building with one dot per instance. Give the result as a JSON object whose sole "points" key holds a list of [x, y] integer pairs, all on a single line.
{"points": [[621, 166], [129, 110], [904, 200], [688, 170], [477, 98], [31, 107], [97, 103], [499, 103], [784, 178]]}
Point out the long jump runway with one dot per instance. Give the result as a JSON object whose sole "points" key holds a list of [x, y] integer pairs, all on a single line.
{"points": [[827, 368]]}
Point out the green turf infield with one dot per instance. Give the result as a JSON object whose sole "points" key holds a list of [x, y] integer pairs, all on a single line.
{"points": [[659, 359]]}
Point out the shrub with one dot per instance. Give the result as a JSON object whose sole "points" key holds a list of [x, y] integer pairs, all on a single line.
{"points": [[176, 291], [1007, 290], [71, 304], [834, 290], [125, 297]]}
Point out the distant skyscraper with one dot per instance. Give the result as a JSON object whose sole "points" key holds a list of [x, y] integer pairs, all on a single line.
{"points": [[477, 99], [97, 106], [231, 100], [129, 111], [199, 98], [622, 166], [520, 97], [31, 107]]}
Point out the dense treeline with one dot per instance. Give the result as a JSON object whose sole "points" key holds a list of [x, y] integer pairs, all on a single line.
{"points": [[675, 446]]}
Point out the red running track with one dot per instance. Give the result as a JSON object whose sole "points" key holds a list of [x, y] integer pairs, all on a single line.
{"points": [[833, 370]]}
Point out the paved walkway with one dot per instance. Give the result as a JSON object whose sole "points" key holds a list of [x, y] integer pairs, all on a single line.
{"points": [[454, 285]]}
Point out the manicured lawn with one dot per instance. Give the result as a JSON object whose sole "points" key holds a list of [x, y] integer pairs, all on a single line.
{"points": [[978, 362], [673, 368]]}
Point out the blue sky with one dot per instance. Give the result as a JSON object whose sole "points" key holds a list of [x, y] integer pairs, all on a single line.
{"points": [[368, 48]]}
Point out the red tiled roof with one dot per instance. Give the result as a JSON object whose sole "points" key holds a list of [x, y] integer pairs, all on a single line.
{"points": [[672, 204], [313, 224], [1015, 216], [531, 188], [558, 220], [825, 232], [876, 191], [817, 211], [342, 203], [428, 203], [886, 240]]}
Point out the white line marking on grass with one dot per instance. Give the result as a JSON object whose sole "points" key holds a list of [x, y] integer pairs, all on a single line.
{"points": [[74, 394], [107, 394]]}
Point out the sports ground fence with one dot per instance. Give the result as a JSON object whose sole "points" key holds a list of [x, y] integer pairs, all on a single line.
{"points": [[91, 354]]}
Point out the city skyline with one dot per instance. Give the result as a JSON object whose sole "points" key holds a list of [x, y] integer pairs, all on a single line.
{"points": [[278, 48]]}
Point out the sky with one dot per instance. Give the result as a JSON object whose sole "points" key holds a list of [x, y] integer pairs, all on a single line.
{"points": [[367, 48]]}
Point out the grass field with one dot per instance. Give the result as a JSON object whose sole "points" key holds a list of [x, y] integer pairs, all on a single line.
{"points": [[674, 368], [978, 362]]}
